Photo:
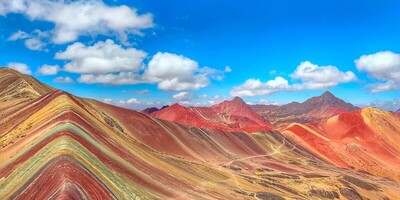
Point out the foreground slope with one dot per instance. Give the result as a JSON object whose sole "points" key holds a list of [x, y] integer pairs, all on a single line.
{"points": [[234, 115], [314, 109], [63, 147]]}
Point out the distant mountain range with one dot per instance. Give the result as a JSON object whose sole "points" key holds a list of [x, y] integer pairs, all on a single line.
{"points": [[237, 115], [228, 115], [314, 109], [54, 145]]}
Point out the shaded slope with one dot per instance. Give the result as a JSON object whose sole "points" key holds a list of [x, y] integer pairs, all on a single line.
{"points": [[150, 110], [314, 109], [234, 115]]}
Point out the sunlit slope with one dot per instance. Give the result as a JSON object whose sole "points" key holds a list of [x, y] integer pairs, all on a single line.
{"points": [[365, 139], [15, 86]]}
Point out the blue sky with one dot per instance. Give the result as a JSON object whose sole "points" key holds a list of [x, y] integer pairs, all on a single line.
{"points": [[146, 52]]}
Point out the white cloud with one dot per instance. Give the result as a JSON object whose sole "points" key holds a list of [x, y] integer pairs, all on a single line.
{"points": [[381, 87], [132, 101], [108, 101], [214, 74], [228, 69], [254, 87], [62, 79], [33, 41], [21, 67], [121, 78], [311, 77], [48, 69], [94, 16], [175, 72], [383, 66], [182, 96], [320, 77], [108, 63], [19, 35], [35, 44], [102, 57]]}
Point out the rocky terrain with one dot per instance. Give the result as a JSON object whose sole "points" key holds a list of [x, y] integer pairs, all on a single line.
{"points": [[54, 145]]}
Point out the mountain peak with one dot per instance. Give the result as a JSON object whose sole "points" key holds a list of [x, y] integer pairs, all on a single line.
{"points": [[327, 94], [328, 99], [237, 99]]}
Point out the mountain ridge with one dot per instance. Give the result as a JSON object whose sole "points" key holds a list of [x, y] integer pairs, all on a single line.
{"points": [[62, 146], [233, 115], [313, 109]]}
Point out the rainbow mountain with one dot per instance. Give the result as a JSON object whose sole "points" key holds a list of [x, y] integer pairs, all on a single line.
{"points": [[54, 145]]}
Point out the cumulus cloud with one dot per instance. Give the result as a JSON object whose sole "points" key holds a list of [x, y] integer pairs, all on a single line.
{"points": [[381, 87], [21, 67], [309, 75], [63, 79], [320, 77], [94, 16], [48, 69], [35, 44], [254, 87], [175, 72], [182, 96], [121, 78], [214, 74], [102, 57], [132, 101], [110, 63], [383, 66]]}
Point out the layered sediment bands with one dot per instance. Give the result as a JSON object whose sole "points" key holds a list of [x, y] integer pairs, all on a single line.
{"points": [[365, 139], [58, 146]]}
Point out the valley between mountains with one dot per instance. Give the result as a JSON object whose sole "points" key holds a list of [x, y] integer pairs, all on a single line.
{"points": [[54, 145]]}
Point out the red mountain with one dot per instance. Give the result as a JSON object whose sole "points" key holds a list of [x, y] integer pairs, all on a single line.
{"points": [[314, 109], [59, 146], [231, 115], [365, 139]]}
